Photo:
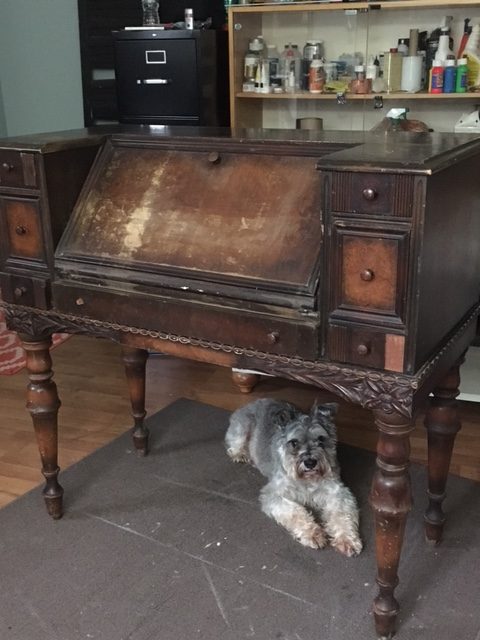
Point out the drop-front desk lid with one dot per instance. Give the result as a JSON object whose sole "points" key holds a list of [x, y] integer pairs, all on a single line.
{"points": [[211, 216]]}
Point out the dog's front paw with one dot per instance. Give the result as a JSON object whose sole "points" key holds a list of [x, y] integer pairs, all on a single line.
{"points": [[238, 456], [315, 538], [348, 546]]}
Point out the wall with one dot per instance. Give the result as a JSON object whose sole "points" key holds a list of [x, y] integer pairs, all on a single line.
{"points": [[40, 71]]}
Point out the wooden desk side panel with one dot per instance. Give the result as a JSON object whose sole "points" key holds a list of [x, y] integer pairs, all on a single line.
{"points": [[449, 269], [65, 174]]}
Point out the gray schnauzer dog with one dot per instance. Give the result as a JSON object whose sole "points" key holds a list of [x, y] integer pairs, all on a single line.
{"points": [[297, 453]]}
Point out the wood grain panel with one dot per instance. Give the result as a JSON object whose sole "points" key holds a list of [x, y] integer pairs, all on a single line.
{"points": [[237, 217], [21, 218]]}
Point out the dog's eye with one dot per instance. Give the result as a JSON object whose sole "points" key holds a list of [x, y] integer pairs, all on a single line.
{"points": [[293, 443], [321, 440]]}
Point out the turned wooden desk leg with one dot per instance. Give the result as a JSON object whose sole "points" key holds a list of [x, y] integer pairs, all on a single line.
{"points": [[43, 404], [135, 361], [443, 424], [391, 500]]}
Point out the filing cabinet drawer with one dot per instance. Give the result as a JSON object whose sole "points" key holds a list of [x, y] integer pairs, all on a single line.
{"points": [[17, 169], [366, 347], [372, 194], [21, 228], [370, 272], [25, 291]]}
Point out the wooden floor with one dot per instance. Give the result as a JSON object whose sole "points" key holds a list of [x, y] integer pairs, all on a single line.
{"points": [[95, 409]]}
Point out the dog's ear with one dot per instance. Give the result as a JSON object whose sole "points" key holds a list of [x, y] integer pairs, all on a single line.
{"points": [[281, 416], [325, 413], [328, 409]]}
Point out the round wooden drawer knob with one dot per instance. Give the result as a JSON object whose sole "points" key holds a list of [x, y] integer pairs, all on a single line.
{"points": [[363, 350], [367, 275], [18, 292], [7, 167], [79, 302], [273, 337], [20, 230], [214, 157], [369, 194]]}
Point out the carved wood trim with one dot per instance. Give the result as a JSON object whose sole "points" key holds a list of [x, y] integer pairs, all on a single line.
{"points": [[387, 392]]}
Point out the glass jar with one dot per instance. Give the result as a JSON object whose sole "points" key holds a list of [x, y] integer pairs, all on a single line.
{"points": [[150, 13]]}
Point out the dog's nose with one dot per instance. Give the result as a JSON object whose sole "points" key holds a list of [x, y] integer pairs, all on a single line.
{"points": [[310, 463]]}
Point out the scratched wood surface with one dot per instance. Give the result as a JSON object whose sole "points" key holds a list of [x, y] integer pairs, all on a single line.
{"points": [[176, 209]]}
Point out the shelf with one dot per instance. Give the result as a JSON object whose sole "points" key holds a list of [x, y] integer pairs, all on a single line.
{"points": [[360, 6], [399, 95]]}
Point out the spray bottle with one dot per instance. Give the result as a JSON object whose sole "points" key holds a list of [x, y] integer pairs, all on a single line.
{"points": [[472, 54], [467, 30]]}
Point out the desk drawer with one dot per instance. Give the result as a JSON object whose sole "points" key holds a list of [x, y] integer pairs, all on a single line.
{"points": [[209, 322], [26, 291], [366, 347], [22, 228], [17, 169], [370, 267], [372, 194]]}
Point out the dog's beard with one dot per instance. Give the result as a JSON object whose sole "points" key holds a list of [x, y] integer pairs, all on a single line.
{"points": [[320, 470], [295, 468]]}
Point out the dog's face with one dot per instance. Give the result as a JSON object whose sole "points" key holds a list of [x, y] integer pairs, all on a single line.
{"points": [[307, 446]]}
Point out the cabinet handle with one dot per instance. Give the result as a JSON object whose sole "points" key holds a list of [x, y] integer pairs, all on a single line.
{"points": [[363, 349], [18, 292], [214, 157], [369, 194], [154, 81], [20, 230], [7, 167], [273, 337], [367, 275], [79, 302]]}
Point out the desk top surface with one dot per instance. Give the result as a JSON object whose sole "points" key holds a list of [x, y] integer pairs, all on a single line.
{"points": [[349, 150]]}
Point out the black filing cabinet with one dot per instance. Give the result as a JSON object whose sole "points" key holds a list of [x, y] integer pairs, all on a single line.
{"points": [[171, 77]]}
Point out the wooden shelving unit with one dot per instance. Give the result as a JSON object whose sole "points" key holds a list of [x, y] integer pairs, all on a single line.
{"points": [[247, 21], [398, 95]]}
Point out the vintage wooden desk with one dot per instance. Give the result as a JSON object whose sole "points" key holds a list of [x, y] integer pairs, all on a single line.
{"points": [[348, 261]]}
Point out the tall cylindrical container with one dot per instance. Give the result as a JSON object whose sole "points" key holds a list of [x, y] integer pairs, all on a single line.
{"points": [[412, 74]]}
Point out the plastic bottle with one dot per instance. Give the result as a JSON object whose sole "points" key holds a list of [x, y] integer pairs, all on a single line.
{"points": [[433, 40], [250, 65], [316, 76], [402, 46], [436, 77], [311, 48], [472, 54], [273, 60], [287, 66], [298, 66], [189, 19], [372, 69], [449, 76], [461, 79], [444, 51]]}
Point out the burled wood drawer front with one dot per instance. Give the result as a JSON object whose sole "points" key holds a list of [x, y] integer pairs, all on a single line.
{"points": [[372, 194], [17, 169], [29, 292], [370, 272], [22, 228], [366, 347]]}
